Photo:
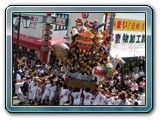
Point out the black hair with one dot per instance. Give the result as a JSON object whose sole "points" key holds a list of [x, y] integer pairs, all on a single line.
{"points": [[136, 95], [136, 103], [35, 74], [87, 89], [76, 89], [65, 86], [42, 75], [51, 81], [62, 79], [60, 84], [15, 81], [123, 96], [52, 77], [56, 82], [129, 95]]}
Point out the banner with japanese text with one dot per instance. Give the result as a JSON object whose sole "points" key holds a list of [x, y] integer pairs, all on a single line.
{"points": [[129, 25]]}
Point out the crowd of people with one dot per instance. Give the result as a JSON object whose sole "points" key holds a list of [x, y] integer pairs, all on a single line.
{"points": [[45, 84]]}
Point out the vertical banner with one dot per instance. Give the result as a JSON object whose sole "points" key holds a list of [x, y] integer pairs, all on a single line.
{"points": [[110, 22]]}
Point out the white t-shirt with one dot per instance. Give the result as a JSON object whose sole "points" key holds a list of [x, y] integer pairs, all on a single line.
{"points": [[34, 89], [39, 92], [18, 87], [135, 76], [27, 72], [110, 101], [41, 72], [64, 94], [48, 86], [127, 102], [142, 99], [31, 83], [38, 71], [84, 28], [103, 100], [141, 73], [64, 76], [53, 90], [77, 97], [18, 77], [87, 98], [62, 69], [119, 78], [117, 102], [97, 99]]}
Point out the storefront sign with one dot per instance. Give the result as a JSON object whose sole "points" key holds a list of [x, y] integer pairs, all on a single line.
{"points": [[60, 21], [80, 23], [126, 38], [129, 25], [38, 19]]}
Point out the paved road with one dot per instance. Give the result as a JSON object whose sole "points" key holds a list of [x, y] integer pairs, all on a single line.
{"points": [[16, 101]]}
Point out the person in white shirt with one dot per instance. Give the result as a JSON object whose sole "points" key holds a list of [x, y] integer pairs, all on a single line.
{"points": [[77, 96], [18, 75], [18, 91], [39, 94], [41, 72], [117, 101], [64, 95], [46, 93], [62, 69], [31, 83], [127, 99], [103, 100], [34, 90], [27, 70], [133, 99], [134, 86], [64, 76], [142, 99], [53, 90], [84, 28], [38, 70], [111, 83], [120, 100], [87, 97], [119, 77], [127, 102], [97, 97], [110, 99]]}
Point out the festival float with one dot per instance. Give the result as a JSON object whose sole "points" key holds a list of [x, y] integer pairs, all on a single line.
{"points": [[87, 60]]}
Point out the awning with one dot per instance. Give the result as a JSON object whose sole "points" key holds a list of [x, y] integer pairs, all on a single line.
{"points": [[35, 43], [27, 41], [57, 40]]}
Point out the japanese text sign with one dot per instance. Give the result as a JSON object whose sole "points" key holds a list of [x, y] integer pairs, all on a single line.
{"points": [[129, 25]]}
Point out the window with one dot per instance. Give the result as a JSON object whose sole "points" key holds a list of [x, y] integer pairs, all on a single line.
{"points": [[61, 27]]}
